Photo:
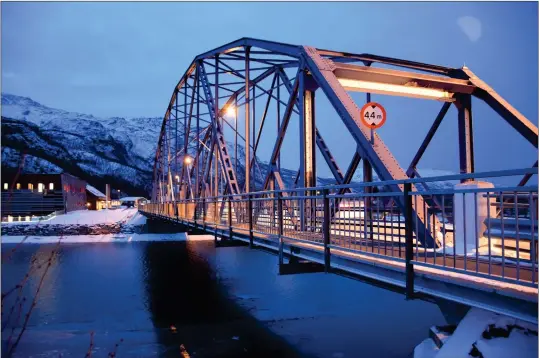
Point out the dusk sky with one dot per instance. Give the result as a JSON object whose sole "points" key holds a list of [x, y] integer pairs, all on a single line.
{"points": [[123, 59]]}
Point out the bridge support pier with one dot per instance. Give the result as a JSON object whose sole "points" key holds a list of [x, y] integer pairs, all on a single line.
{"points": [[226, 242], [296, 265], [453, 312]]}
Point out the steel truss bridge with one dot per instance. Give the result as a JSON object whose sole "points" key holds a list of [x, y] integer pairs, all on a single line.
{"points": [[474, 244]]}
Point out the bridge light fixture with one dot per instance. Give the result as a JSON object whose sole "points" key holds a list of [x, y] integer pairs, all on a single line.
{"points": [[231, 111], [187, 160], [398, 90]]}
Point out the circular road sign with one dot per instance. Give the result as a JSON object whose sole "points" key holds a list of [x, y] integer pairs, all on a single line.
{"points": [[373, 115]]}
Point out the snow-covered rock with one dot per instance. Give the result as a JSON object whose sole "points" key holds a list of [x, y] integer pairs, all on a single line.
{"points": [[484, 334]]}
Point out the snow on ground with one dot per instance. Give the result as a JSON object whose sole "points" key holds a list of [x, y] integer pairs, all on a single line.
{"points": [[518, 344], [75, 239], [468, 331], [496, 254], [86, 217]]}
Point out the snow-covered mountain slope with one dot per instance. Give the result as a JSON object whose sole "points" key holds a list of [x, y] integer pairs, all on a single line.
{"points": [[137, 134], [115, 150], [118, 151]]}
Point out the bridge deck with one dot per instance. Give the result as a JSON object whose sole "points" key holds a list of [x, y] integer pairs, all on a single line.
{"points": [[461, 279]]}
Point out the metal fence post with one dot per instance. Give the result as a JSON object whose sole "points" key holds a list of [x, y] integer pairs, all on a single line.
{"points": [[280, 214], [229, 218], [281, 225], [216, 218], [195, 201], [204, 213], [250, 210], [408, 220], [326, 227]]}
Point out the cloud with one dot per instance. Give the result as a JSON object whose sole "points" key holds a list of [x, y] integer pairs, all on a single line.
{"points": [[471, 27]]}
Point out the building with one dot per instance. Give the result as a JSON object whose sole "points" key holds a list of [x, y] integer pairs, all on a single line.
{"points": [[38, 195], [133, 201], [115, 196], [95, 200]]}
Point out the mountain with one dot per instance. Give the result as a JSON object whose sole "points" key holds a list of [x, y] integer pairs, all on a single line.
{"points": [[118, 151]]}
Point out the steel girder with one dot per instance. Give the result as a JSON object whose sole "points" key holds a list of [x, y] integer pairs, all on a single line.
{"points": [[333, 73]]}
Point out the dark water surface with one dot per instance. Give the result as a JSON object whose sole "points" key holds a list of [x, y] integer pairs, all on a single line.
{"points": [[225, 302]]}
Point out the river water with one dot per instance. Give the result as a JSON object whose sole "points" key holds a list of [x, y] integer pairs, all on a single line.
{"points": [[151, 298]]}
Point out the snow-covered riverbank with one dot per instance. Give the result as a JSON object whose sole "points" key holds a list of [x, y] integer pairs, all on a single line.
{"points": [[104, 238], [89, 217], [82, 222]]}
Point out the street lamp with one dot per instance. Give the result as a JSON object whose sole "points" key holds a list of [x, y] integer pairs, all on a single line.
{"points": [[187, 160]]}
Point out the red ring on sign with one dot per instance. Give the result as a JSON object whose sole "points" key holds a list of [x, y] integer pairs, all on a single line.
{"points": [[367, 106]]}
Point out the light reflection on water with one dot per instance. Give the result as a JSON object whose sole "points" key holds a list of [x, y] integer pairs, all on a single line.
{"points": [[137, 290]]}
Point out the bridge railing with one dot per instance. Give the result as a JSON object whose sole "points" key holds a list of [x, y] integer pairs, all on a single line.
{"points": [[476, 228]]}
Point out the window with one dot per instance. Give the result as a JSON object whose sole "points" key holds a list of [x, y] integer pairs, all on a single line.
{"points": [[40, 187], [51, 186], [18, 186], [6, 186], [30, 186]]}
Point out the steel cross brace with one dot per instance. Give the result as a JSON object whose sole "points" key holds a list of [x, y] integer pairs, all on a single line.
{"points": [[525, 127], [196, 163], [326, 153], [188, 126], [378, 155], [218, 135]]}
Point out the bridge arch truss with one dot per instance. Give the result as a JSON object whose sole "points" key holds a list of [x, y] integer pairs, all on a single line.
{"points": [[211, 119]]}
